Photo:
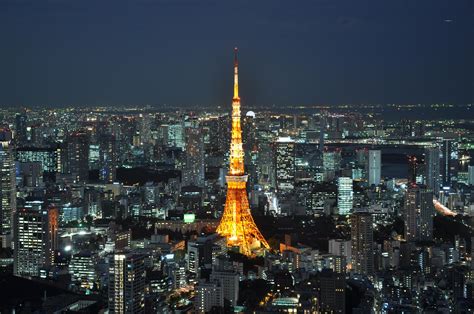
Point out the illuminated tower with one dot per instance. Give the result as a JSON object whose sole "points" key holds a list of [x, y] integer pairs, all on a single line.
{"points": [[237, 224]]}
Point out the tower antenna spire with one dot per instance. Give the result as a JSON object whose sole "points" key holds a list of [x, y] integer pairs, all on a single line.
{"points": [[236, 74], [237, 224]]}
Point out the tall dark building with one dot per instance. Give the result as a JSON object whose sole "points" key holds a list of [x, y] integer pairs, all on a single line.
{"points": [[35, 234], [77, 163], [331, 287], [127, 283], [7, 186], [432, 169], [362, 240], [449, 164], [21, 132], [419, 212], [193, 172], [412, 169], [107, 158]]}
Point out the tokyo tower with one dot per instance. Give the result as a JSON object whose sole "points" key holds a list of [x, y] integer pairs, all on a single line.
{"points": [[237, 224]]}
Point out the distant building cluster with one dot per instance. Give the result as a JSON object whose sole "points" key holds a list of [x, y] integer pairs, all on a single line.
{"points": [[117, 209]]}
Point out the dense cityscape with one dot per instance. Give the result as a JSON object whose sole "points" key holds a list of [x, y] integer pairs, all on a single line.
{"points": [[206, 156], [343, 209]]}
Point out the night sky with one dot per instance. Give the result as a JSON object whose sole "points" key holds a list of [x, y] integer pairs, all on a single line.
{"points": [[179, 52]]}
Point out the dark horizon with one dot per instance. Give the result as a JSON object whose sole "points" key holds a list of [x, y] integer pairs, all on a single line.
{"points": [[180, 52]]}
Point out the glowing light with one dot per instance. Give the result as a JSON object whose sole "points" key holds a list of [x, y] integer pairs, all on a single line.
{"points": [[237, 224]]}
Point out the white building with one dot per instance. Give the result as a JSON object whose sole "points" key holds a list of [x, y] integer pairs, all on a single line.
{"points": [[229, 280], [345, 195], [208, 295], [374, 167], [340, 247], [285, 164]]}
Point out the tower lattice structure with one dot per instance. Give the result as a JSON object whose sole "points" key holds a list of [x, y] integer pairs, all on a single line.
{"points": [[237, 224]]}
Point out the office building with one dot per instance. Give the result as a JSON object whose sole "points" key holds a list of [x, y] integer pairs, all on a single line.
{"points": [[470, 174], [374, 167], [193, 172], [82, 270], [419, 213], [285, 164], [362, 240], [331, 287], [449, 162], [7, 185], [21, 125], [432, 168], [208, 295], [127, 283], [340, 247], [77, 163], [49, 157], [229, 281], [33, 242], [344, 195]]}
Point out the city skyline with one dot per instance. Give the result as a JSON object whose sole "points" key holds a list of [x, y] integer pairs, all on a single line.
{"points": [[343, 182]]}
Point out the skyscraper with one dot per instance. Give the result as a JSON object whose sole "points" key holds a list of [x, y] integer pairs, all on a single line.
{"points": [[419, 212], [470, 174], [362, 239], [21, 135], [412, 169], [331, 288], [78, 156], [193, 172], [432, 168], [285, 164], [127, 283], [237, 224], [344, 195], [229, 281], [7, 186], [374, 166], [33, 242], [449, 164], [208, 295]]}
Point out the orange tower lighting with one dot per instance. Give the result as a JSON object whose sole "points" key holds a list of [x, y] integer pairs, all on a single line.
{"points": [[237, 224]]}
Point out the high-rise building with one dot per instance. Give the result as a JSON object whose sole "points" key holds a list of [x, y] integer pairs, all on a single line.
{"points": [[229, 281], [7, 186], [412, 169], [208, 295], [200, 252], [77, 163], [193, 172], [285, 164], [362, 239], [419, 212], [127, 283], [331, 289], [432, 168], [237, 224], [374, 167], [107, 158], [340, 247], [21, 133], [175, 135], [344, 195], [82, 270], [33, 242], [449, 161], [470, 174], [48, 156]]}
